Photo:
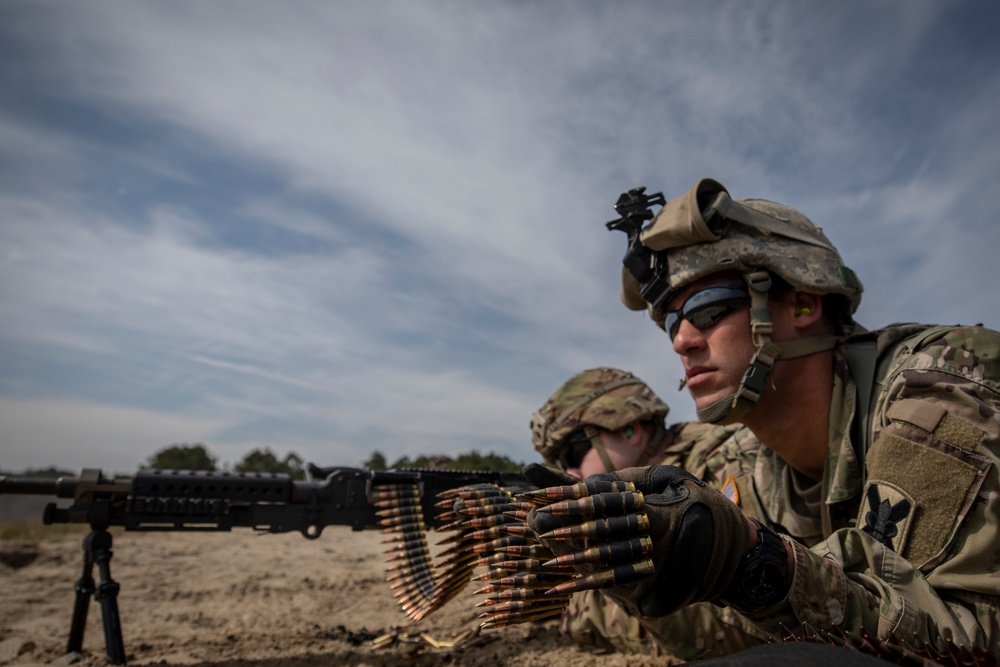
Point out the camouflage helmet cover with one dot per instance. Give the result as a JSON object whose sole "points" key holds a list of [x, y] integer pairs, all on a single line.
{"points": [[607, 398], [749, 234]]}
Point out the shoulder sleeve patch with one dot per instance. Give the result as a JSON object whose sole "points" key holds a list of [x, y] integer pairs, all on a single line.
{"points": [[888, 517]]}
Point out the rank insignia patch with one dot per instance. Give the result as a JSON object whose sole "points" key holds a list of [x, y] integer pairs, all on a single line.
{"points": [[730, 491]]}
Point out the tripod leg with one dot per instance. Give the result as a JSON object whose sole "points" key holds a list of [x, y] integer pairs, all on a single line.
{"points": [[107, 595], [84, 588]]}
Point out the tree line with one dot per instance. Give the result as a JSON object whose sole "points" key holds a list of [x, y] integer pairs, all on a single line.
{"points": [[196, 456]]}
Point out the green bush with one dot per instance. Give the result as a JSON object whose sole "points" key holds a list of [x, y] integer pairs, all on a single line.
{"points": [[182, 457]]}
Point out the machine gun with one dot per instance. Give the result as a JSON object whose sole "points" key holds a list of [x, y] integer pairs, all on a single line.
{"points": [[195, 500]]}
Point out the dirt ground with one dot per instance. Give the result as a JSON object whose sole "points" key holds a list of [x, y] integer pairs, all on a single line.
{"points": [[242, 599]]}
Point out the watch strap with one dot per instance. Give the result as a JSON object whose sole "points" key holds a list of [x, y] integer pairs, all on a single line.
{"points": [[762, 576]]}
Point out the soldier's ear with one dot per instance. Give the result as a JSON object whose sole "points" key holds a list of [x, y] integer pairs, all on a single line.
{"points": [[807, 309], [633, 431]]}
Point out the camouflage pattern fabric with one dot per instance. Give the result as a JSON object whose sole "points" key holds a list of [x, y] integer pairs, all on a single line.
{"points": [[694, 632], [906, 546], [595, 621]]}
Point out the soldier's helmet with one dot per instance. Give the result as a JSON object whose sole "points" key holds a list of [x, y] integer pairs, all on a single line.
{"points": [[607, 398], [705, 232]]}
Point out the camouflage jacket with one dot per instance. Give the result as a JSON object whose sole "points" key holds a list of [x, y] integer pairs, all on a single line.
{"points": [[902, 541]]}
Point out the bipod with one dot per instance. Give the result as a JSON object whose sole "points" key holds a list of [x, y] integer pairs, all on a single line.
{"points": [[97, 551]]}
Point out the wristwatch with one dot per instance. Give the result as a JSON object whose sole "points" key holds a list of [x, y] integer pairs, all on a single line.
{"points": [[762, 577]]}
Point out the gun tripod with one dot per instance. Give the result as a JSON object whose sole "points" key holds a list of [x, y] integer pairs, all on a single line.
{"points": [[97, 551]]}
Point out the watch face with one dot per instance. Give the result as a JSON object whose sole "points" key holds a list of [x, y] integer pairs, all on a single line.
{"points": [[764, 584]]}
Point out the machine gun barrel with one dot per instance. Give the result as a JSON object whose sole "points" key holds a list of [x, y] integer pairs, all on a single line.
{"points": [[64, 486], [31, 486]]}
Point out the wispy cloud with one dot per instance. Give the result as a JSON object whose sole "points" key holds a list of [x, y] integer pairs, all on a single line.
{"points": [[340, 228]]}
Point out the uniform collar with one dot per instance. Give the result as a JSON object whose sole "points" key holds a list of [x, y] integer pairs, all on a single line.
{"points": [[843, 474]]}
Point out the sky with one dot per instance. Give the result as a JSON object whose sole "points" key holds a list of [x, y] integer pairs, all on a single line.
{"points": [[331, 228]]}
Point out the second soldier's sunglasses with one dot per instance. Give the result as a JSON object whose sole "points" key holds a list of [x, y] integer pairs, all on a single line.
{"points": [[574, 449], [706, 307]]}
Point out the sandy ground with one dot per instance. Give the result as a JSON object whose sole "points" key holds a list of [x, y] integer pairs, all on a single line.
{"points": [[245, 599]]}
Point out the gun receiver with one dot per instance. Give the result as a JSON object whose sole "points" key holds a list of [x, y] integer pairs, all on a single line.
{"points": [[194, 500]]}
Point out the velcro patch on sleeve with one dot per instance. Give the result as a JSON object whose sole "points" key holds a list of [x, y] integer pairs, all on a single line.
{"points": [[924, 415], [933, 418], [956, 431], [937, 485]]}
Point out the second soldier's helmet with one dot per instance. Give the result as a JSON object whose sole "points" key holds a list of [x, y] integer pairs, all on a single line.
{"points": [[607, 398]]}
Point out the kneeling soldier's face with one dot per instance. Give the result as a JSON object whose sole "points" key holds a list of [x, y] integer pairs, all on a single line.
{"points": [[624, 448]]}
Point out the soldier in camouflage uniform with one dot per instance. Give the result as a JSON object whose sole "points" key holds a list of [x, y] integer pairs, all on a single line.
{"points": [[874, 455], [605, 419]]}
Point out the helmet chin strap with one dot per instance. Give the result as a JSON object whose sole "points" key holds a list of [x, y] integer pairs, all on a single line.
{"points": [[652, 445], [734, 408], [598, 445]]}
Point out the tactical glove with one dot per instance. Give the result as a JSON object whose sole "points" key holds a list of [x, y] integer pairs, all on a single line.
{"points": [[554, 485], [544, 476], [698, 539]]}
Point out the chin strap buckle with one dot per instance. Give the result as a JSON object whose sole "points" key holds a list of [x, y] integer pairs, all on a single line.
{"points": [[754, 380]]}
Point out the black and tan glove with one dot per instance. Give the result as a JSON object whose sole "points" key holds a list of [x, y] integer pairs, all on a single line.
{"points": [[698, 538]]}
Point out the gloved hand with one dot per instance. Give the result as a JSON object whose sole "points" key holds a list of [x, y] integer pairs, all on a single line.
{"points": [[544, 477], [699, 538]]}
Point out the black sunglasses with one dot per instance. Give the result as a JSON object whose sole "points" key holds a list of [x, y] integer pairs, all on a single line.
{"points": [[707, 306], [574, 449]]}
